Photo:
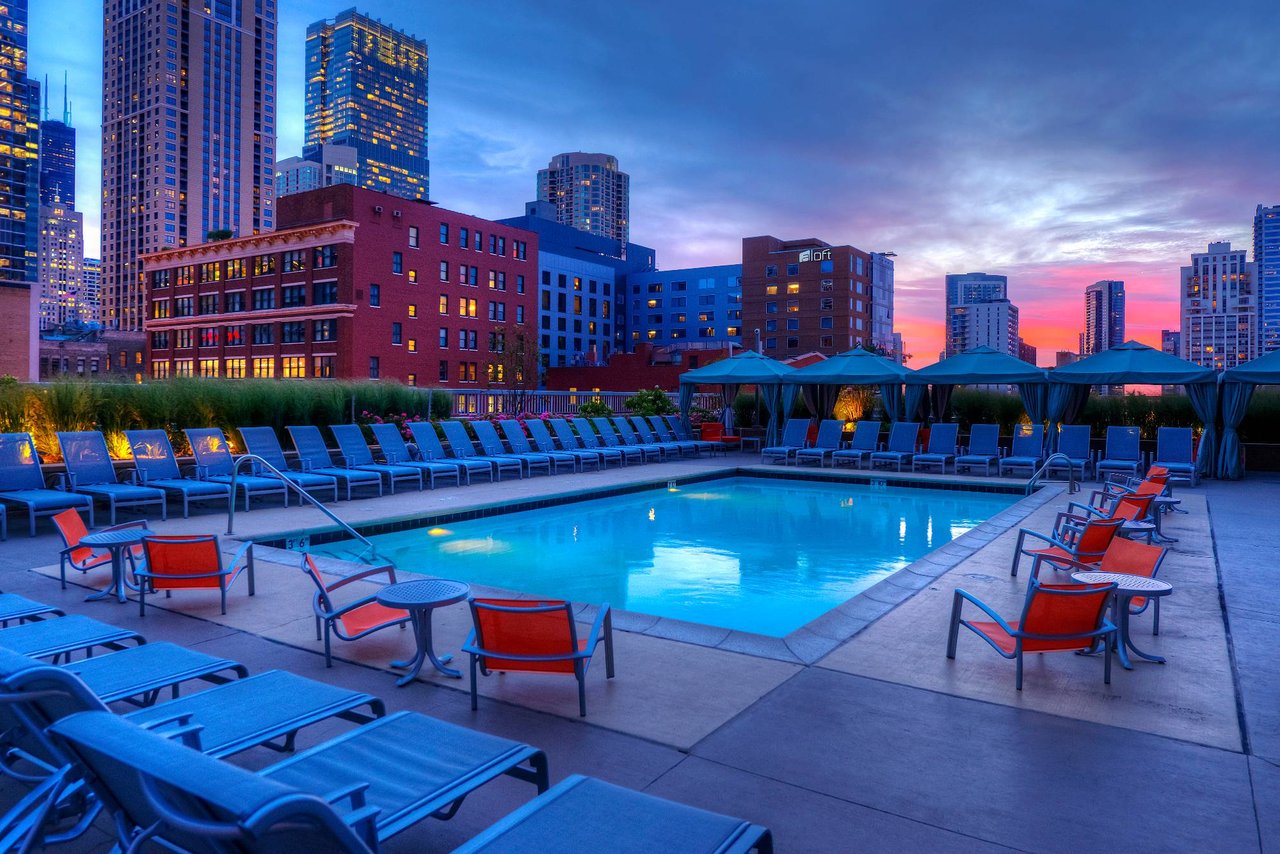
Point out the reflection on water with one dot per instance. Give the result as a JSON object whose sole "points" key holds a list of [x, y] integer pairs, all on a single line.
{"points": [[765, 557]]}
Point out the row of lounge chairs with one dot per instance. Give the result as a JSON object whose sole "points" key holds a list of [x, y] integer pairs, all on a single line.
{"points": [[156, 476], [159, 773], [1174, 449], [1102, 535]]}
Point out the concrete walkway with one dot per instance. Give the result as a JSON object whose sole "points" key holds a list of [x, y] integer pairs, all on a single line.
{"points": [[881, 746]]}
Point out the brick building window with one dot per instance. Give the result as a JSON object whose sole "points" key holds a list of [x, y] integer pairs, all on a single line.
{"points": [[264, 265], [324, 330], [444, 271], [264, 299], [293, 332], [444, 371], [375, 368], [397, 263], [264, 367], [235, 369], [293, 296], [375, 295], [413, 237], [235, 268], [234, 301], [324, 256], [293, 367], [396, 331], [293, 261], [209, 367], [322, 368], [263, 333], [324, 293]]}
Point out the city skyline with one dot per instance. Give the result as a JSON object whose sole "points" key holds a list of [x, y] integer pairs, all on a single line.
{"points": [[1034, 162]]}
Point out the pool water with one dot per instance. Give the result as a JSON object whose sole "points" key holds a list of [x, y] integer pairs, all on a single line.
{"points": [[753, 554]]}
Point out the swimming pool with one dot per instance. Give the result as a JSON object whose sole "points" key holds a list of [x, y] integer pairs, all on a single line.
{"points": [[752, 554]]}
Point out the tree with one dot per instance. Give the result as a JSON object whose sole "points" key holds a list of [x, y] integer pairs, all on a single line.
{"points": [[220, 234], [514, 366]]}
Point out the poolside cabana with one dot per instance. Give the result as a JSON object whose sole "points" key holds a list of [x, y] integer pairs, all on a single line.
{"points": [[748, 368], [1133, 363], [821, 382], [978, 366], [1237, 387]]}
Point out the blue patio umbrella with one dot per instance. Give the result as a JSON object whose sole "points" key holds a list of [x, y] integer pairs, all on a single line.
{"points": [[822, 381], [1134, 363], [1237, 387], [978, 366], [747, 368]]}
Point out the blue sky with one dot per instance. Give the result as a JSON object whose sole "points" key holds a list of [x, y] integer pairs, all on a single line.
{"points": [[1056, 142]]}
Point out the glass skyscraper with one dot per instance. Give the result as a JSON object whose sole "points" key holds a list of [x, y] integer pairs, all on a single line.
{"points": [[367, 89], [1103, 317], [58, 156], [188, 133], [20, 137], [1266, 254], [590, 193]]}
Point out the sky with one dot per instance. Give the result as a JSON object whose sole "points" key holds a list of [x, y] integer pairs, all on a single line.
{"points": [[1058, 143]]}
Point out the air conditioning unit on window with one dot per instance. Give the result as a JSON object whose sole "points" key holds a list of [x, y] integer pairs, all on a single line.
{"points": [[396, 214], [377, 209]]}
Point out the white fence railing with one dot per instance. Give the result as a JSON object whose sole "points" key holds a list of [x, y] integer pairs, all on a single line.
{"points": [[554, 402]]}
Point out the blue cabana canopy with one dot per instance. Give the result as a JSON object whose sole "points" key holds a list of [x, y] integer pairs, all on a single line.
{"points": [[747, 368], [978, 366], [1238, 384], [822, 381], [1133, 363]]}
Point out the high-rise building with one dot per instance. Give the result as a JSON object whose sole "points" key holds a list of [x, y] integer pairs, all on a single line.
{"points": [[19, 195], [92, 283], [1219, 308], [1103, 317], [188, 134], [329, 165], [1171, 342], [697, 307], [979, 313], [60, 252], [1266, 255], [1065, 357], [367, 89], [803, 296], [1027, 352], [590, 193], [882, 305]]}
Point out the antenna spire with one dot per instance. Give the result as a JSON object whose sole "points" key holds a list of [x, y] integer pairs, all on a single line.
{"points": [[66, 102]]}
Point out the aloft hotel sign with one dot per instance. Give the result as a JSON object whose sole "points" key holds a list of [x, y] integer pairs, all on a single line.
{"points": [[815, 255]]}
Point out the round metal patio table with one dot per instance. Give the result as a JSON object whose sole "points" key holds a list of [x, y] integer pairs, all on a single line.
{"points": [[117, 542], [1127, 587], [420, 599]]}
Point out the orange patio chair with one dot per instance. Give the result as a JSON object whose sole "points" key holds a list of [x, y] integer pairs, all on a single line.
{"points": [[536, 636], [189, 562], [353, 620], [1055, 618], [1075, 539], [71, 527], [1134, 558]]}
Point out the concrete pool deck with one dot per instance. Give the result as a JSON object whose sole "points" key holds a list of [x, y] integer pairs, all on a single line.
{"points": [[880, 745]]}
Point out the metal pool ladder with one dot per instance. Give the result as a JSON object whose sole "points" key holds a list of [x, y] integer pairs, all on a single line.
{"points": [[370, 552], [1072, 486]]}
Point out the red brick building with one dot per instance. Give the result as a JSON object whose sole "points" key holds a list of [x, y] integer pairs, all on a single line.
{"points": [[354, 284], [804, 296], [648, 367]]}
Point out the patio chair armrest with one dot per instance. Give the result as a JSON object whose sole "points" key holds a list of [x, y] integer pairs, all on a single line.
{"points": [[245, 554], [961, 595], [147, 572], [603, 623], [1086, 511], [388, 569], [1027, 532], [122, 526]]}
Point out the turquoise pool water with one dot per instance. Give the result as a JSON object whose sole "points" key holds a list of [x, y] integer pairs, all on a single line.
{"points": [[758, 555]]}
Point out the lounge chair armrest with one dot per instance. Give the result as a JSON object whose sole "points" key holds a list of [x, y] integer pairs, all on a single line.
{"points": [[158, 725], [65, 480], [390, 458], [961, 595], [364, 822], [202, 472], [189, 734], [354, 794]]}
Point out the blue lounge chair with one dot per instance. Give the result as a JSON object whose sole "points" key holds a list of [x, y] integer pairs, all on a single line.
{"points": [[1073, 443], [1122, 454], [314, 457], [983, 450], [830, 433], [215, 464], [139, 674], [356, 454], [866, 441], [396, 452], [262, 442], [676, 430], [635, 822], [460, 447], [795, 435], [14, 607], [430, 449], [607, 438], [1027, 452], [520, 444], [263, 710], [647, 434], [492, 446], [22, 483], [942, 448], [59, 638], [902, 446], [1174, 452], [628, 437], [155, 465], [542, 441], [91, 472], [348, 794], [572, 442]]}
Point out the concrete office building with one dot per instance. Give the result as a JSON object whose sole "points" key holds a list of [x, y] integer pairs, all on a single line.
{"points": [[1266, 255], [367, 89], [1219, 308], [692, 308], [1103, 317], [590, 193], [963, 290], [188, 134], [329, 164]]}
